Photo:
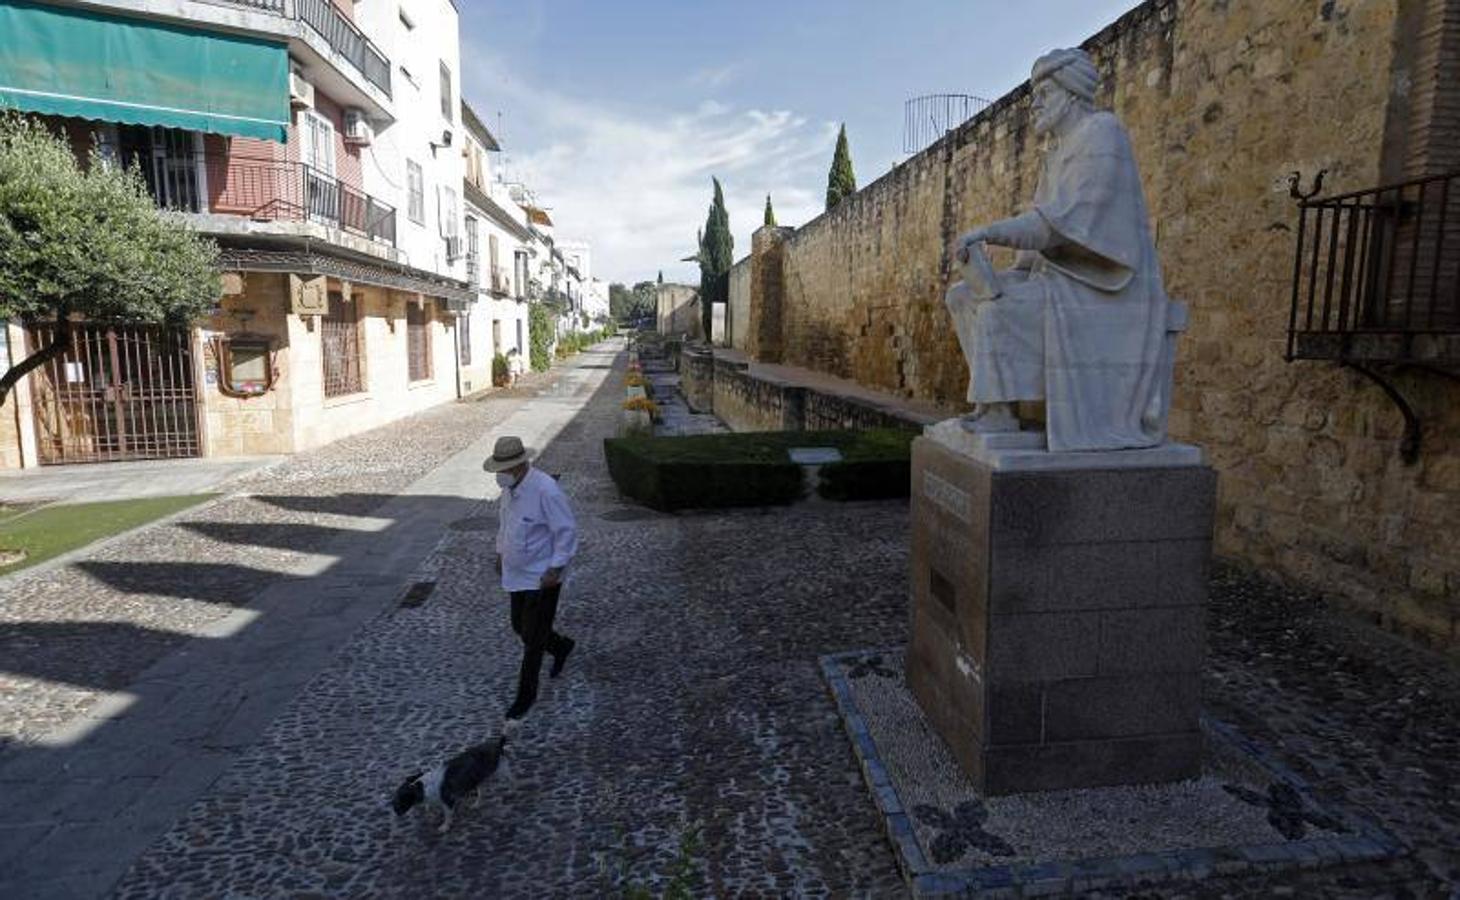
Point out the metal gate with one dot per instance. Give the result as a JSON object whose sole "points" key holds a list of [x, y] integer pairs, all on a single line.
{"points": [[119, 392]]}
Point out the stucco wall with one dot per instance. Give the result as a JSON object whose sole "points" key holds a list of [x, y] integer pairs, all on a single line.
{"points": [[1223, 101]]}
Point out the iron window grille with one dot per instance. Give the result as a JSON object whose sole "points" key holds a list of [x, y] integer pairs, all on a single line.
{"points": [[418, 341], [339, 332]]}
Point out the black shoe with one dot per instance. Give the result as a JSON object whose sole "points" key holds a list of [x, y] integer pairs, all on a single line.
{"points": [[561, 658]]}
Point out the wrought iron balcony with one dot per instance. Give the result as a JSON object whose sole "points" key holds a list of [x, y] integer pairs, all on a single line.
{"points": [[343, 36], [1376, 285], [1377, 275], [270, 191], [473, 269]]}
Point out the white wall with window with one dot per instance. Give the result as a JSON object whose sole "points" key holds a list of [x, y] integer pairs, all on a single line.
{"points": [[418, 159]]}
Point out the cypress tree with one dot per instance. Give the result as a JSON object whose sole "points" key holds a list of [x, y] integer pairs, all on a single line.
{"points": [[716, 256], [770, 214], [840, 182]]}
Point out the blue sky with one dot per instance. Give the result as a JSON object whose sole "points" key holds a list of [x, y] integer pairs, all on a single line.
{"points": [[617, 112]]}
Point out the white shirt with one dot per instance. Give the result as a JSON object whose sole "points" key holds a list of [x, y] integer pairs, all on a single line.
{"points": [[536, 531]]}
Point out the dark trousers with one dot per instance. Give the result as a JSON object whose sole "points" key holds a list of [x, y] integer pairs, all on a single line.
{"points": [[532, 618]]}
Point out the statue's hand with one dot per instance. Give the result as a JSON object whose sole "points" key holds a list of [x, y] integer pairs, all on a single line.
{"points": [[960, 246]]}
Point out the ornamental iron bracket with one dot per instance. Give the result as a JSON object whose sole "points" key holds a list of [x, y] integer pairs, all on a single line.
{"points": [[1410, 442]]}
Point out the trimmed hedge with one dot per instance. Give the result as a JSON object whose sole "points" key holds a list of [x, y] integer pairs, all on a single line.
{"points": [[710, 471]]}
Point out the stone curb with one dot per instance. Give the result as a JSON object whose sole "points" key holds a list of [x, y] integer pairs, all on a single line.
{"points": [[1367, 842]]}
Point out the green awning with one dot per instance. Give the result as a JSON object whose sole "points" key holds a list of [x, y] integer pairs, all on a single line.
{"points": [[69, 62]]}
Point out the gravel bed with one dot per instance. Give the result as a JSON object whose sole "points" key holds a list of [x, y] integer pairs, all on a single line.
{"points": [[959, 830]]}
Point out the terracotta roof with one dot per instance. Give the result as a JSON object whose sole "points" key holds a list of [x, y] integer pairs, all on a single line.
{"points": [[537, 216]]}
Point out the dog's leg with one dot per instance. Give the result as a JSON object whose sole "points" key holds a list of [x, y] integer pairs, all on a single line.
{"points": [[445, 820]]}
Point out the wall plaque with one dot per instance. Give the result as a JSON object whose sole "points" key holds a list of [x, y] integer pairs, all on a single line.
{"points": [[308, 296]]}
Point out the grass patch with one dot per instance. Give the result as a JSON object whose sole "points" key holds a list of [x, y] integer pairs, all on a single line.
{"points": [[709, 471], [49, 532]]}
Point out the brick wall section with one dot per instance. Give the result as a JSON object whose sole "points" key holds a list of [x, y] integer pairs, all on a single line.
{"points": [[1223, 101]]}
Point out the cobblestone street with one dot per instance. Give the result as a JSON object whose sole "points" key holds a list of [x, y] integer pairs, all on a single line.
{"points": [[692, 708]]}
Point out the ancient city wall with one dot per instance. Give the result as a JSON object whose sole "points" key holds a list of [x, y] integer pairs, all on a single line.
{"points": [[1223, 101]]}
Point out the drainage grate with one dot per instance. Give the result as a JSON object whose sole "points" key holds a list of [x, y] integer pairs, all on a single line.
{"points": [[418, 593]]}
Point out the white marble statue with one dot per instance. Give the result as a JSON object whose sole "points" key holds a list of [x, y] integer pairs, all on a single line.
{"points": [[1081, 321]]}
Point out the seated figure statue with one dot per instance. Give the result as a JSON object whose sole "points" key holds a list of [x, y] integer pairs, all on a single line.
{"points": [[1081, 321]]}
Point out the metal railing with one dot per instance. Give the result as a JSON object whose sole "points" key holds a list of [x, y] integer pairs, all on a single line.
{"points": [[276, 191], [926, 119], [343, 36], [1377, 274], [473, 270], [348, 40]]}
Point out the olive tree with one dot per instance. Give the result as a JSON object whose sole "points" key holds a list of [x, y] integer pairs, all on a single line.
{"points": [[88, 242]]}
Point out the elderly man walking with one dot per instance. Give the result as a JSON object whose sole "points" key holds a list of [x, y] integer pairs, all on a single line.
{"points": [[536, 539]]}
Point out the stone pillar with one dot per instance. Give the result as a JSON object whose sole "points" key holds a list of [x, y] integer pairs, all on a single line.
{"points": [[767, 290], [1058, 615]]}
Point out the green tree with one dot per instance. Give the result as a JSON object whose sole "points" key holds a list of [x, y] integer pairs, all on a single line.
{"points": [[840, 182], [89, 241], [542, 334], [770, 214], [716, 256]]}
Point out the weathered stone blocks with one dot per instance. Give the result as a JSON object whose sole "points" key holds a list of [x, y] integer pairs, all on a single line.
{"points": [[1058, 619]]}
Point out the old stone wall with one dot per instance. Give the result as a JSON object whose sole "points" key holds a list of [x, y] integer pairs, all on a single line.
{"points": [[697, 379], [737, 318], [1223, 101], [749, 403]]}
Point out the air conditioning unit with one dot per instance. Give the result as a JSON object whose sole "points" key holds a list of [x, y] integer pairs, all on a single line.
{"points": [[357, 128], [301, 92], [453, 249]]}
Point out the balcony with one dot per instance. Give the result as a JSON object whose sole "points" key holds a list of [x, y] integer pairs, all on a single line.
{"points": [[1376, 287], [294, 192], [342, 35], [473, 270], [1377, 276], [501, 284]]}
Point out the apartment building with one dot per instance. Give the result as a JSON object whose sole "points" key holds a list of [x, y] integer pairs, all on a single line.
{"points": [[320, 144], [498, 250]]}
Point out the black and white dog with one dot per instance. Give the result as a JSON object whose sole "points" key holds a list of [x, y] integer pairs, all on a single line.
{"points": [[464, 774]]}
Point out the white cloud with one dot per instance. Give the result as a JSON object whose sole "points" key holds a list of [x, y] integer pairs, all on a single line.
{"points": [[636, 183]]}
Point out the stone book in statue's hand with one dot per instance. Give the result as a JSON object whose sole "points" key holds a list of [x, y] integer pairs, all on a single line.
{"points": [[979, 275]]}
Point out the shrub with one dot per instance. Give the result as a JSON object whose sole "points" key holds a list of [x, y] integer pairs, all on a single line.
{"points": [[666, 484], [642, 403], [541, 333], [501, 370]]}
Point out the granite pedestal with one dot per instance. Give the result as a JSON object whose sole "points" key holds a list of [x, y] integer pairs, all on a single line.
{"points": [[1058, 609]]}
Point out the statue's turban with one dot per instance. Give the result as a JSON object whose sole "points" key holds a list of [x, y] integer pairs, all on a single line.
{"points": [[1072, 70]]}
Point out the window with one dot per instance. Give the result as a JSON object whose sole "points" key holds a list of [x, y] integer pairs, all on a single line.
{"points": [[339, 334], [247, 365], [519, 335], [416, 191], [450, 217], [446, 93], [463, 332], [497, 336], [418, 341]]}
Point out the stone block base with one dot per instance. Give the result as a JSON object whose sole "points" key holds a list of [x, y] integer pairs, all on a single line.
{"points": [[1058, 618]]}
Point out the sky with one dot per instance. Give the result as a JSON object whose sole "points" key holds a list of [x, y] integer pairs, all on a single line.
{"points": [[618, 112]]}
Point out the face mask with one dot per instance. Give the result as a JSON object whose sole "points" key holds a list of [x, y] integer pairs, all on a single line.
{"points": [[505, 480]]}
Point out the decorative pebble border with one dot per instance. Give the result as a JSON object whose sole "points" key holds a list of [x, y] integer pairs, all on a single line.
{"points": [[1362, 841]]}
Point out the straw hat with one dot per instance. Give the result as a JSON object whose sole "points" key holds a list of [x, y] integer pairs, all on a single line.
{"points": [[507, 454]]}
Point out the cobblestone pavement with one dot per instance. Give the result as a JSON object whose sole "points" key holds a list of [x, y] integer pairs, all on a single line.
{"points": [[69, 634], [694, 705]]}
